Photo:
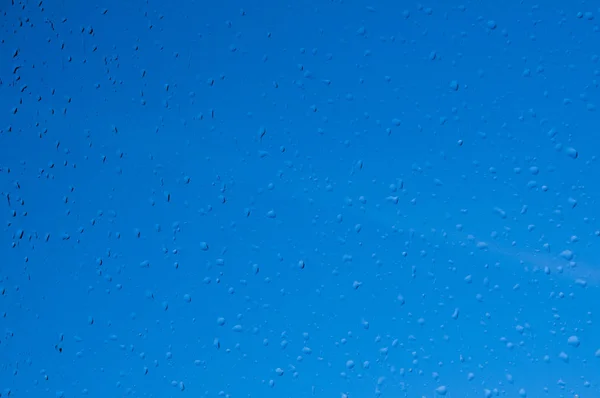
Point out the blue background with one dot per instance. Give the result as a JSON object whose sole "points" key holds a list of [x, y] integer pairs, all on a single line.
{"points": [[299, 199]]}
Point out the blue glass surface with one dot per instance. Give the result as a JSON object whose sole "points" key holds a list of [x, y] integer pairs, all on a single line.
{"points": [[272, 199]]}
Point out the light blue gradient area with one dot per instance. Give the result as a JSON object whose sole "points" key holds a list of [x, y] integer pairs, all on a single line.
{"points": [[299, 199]]}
